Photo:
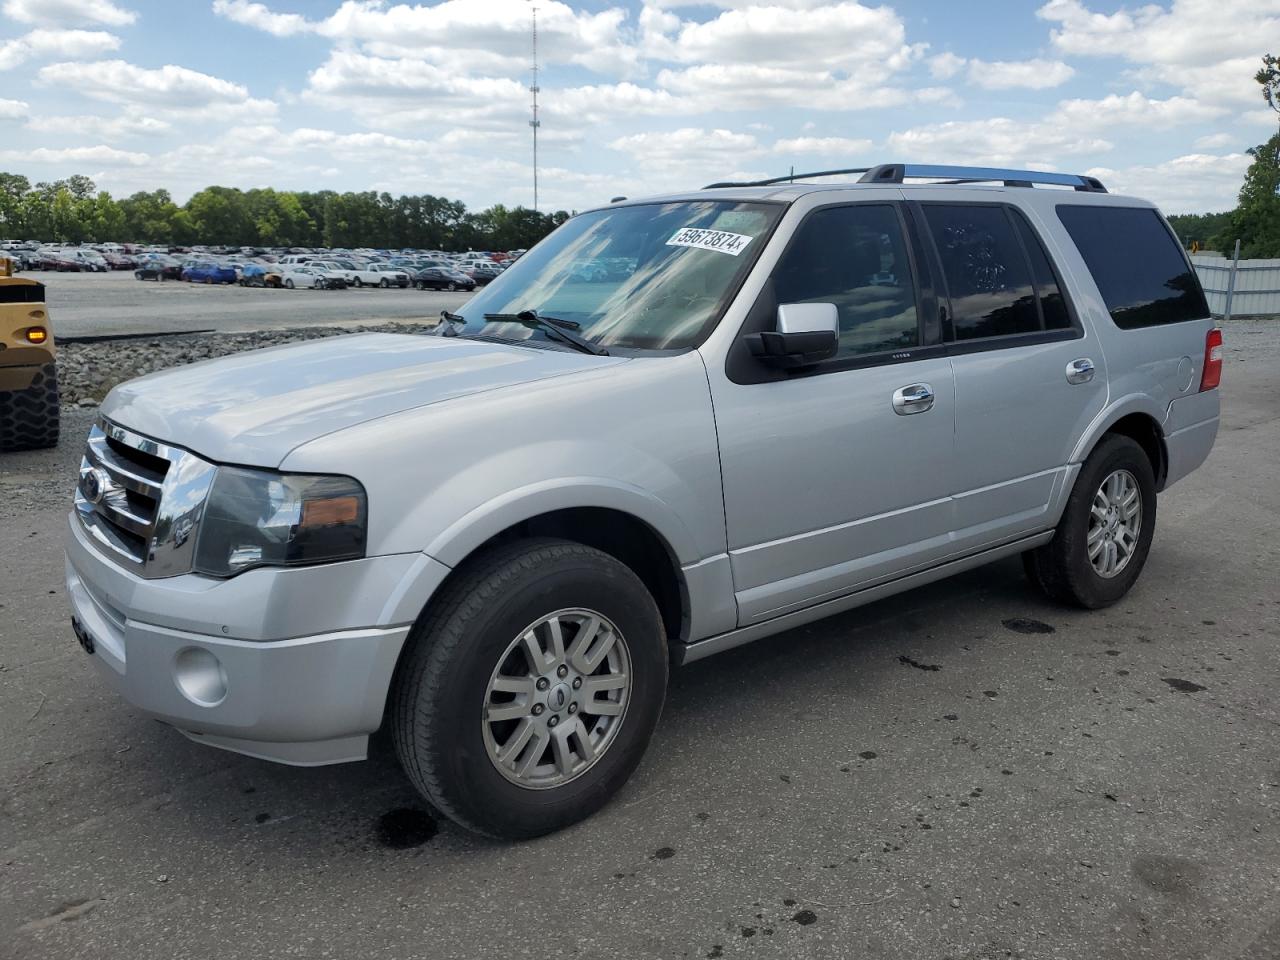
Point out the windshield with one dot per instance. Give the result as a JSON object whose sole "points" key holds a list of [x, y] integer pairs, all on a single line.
{"points": [[650, 276]]}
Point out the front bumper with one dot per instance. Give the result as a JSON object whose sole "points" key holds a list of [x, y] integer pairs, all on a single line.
{"points": [[293, 667]]}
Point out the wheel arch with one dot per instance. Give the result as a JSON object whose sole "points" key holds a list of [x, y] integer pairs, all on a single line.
{"points": [[1139, 419], [623, 534]]}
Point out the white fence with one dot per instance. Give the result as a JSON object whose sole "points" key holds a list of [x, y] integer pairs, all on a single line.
{"points": [[1257, 292]]}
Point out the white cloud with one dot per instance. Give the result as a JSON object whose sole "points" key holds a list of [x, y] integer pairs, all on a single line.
{"points": [[169, 87], [1215, 141], [946, 65], [41, 43], [1207, 47], [826, 146], [995, 141], [1133, 110], [104, 128], [461, 32], [64, 12], [13, 109], [1024, 74], [71, 156], [1195, 182]]}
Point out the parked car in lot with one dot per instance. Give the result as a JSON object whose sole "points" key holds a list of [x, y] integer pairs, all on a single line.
{"points": [[260, 275], [208, 272], [158, 268], [356, 276], [119, 261], [312, 277], [442, 278], [482, 271], [390, 276]]}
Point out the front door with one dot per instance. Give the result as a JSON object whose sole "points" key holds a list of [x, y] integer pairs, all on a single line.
{"points": [[836, 477]]}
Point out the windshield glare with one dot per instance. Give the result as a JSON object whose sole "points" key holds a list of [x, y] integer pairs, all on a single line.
{"points": [[649, 276]]}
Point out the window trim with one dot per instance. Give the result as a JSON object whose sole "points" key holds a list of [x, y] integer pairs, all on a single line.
{"points": [[1169, 231], [1005, 341], [743, 369]]}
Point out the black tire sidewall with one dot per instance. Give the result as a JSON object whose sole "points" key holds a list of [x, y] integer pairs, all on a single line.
{"points": [[1114, 453], [487, 800]]}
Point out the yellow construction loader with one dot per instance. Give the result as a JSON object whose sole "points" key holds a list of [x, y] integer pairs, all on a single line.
{"points": [[28, 375]]}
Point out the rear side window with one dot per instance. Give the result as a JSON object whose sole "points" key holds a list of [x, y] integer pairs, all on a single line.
{"points": [[987, 274], [1139, 268]]}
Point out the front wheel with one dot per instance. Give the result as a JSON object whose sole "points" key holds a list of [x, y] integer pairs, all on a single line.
{"points": [[1104, 536], [451, 286], [384, 283], [530, 689], [288, 284]]}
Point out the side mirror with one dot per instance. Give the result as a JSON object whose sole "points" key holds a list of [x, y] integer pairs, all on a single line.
{"points": [[807, 333]]}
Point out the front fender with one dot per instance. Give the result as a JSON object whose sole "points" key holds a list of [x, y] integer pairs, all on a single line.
{"points": [[457, 541]]}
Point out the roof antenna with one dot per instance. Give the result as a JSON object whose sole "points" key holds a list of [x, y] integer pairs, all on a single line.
{"points": [[535, 123], [793, 173]]}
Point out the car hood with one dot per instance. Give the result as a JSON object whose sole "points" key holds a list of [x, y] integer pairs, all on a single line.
{"points": [[253, 408]]}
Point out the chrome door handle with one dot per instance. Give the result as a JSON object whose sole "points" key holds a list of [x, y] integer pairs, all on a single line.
{"points": [[914, 398], [1080, 371]]}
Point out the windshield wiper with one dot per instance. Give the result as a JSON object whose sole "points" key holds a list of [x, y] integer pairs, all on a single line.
{"points": [[450, 318], [553, 327]]}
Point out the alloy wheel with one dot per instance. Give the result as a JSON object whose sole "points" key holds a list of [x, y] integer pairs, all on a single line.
{"points": [[556, 699], [1115, 520]]}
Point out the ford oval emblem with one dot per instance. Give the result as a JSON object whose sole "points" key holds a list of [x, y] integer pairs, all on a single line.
{"points": [[94, 485]]}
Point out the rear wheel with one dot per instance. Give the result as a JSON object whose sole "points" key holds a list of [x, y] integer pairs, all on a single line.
{"points": [[1104, 536], [529, 691], [29, 418], [357, 282]]}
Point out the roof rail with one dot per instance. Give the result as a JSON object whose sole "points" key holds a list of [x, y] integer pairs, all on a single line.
{"points": [[900, 172]]}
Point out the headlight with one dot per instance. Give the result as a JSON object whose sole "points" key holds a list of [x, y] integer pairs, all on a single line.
{"points": [[257, 518]]}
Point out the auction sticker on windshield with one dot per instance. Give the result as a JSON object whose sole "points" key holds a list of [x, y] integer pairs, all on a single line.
{"points": [[717, 240]]}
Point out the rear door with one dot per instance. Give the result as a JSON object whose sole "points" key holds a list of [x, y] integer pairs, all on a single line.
{"points": [[1029, 377], [833, 479]]}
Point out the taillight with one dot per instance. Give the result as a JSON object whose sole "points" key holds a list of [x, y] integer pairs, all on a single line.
{"points": [[1212, 375]]}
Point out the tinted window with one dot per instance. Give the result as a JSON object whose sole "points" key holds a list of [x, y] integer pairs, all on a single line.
{"points": [[986, 272], [1139, 268], [856, 258], [1053, 306]]}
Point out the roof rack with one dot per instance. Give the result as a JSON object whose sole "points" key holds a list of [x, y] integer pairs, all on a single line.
{"points": [[900, 172]]}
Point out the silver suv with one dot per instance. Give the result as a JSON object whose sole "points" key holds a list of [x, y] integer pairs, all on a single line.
{"points": [[762, 404]]}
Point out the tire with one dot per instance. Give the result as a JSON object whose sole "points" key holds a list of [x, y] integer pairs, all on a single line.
{"points": [[1062, 568], [442, 686], [288, 284], [384, 283], [357, 282], [419, 285], [29, 418], [451, 286]]}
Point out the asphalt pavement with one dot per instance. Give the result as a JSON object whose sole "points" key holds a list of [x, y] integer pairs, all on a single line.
{"points": [[966, 771], [95, 304]]}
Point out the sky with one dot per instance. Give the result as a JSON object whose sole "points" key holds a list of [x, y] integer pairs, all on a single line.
{"points": [[637, 97]]}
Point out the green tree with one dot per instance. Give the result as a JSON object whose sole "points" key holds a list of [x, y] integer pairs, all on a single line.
{"points": [[1256, 221]]}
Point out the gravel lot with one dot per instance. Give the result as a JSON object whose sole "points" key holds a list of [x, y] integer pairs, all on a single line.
{"points": [[963, 772], [86, 304]]}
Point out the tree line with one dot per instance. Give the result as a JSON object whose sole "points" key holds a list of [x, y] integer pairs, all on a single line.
{"points": [[75, 211], [1255, 221]]}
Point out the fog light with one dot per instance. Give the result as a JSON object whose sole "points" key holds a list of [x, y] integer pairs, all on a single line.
{"points": [[200, 676], [37, 335]]}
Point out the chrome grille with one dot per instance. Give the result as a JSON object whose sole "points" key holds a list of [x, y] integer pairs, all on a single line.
{"points": [[141, 500]]}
